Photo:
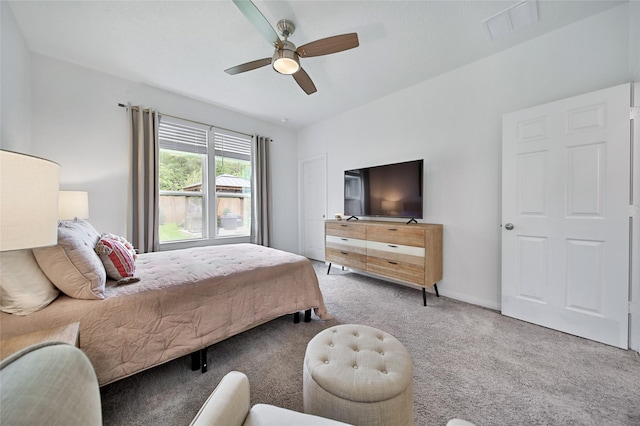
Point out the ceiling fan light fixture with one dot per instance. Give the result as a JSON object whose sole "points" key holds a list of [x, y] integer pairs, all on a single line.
{"points": [[286, 58], [286, 66], [286, 61]]}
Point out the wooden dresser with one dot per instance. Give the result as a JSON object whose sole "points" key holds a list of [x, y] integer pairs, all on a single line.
{"points": [[409, 253]]}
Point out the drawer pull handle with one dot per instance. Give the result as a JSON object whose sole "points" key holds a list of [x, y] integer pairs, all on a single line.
{"points": [[345, 253], [344, 225], [393, 263], [344, 239], [392, 229], [392, 246]]}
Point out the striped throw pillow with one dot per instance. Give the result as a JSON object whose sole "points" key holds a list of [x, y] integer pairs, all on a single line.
{"points": [[118, 257]]}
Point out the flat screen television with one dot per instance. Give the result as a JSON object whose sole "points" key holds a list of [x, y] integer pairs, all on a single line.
{"points": [[390, 190]]}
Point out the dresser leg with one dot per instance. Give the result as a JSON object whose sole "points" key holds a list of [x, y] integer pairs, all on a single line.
{"points": [[435, 287], [296, 317], [328, 269], [307, 315], [424, 296]]}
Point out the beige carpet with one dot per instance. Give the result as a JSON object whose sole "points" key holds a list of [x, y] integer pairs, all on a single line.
{"points": [[470, 363]]}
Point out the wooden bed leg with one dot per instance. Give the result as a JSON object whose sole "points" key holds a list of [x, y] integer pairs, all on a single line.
{"points": [[203, 359], [307, 315], [195, 361], [296, 317]]}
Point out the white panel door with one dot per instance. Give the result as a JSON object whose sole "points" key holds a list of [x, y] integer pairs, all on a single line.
{"points": [[313, 199], [565, 215]]}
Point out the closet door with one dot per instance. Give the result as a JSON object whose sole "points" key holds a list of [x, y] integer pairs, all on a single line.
{"points": [[565, 215], [313, 206]]}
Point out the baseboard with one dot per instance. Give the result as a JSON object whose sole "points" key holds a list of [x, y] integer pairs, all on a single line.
{"points": [[441, 289], [469, 299]]}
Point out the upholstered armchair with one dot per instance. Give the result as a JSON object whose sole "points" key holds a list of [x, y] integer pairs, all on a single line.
{"points": [[49, 383], [229, 405]]}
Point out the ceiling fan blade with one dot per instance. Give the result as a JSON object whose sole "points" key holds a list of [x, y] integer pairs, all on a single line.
{"points": [[304, 81], [248, 66], [329, 45], [257, 19]]}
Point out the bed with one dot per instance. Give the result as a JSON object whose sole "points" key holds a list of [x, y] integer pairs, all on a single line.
{"points": [[185, 301]]}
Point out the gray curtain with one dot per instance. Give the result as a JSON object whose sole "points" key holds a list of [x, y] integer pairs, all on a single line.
{"points": [[261, 192], [144, 178]]}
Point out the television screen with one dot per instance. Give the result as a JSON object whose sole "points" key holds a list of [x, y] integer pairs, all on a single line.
{"points": [[391, 190]]}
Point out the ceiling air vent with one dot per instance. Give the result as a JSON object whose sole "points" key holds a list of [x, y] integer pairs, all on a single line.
{"points": [[512, 19]]}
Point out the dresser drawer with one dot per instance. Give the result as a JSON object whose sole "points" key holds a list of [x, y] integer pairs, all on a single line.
{"points": [[348, 230], [396, 269], [353, 245], [346, 258], [396, 252], [405, 235]]}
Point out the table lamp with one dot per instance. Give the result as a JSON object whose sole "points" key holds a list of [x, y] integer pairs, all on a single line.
{"points": [[73, 205], [28, 201]]}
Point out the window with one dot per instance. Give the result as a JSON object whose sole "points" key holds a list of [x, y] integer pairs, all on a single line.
{"points": [[194, 206], [233, 184]]}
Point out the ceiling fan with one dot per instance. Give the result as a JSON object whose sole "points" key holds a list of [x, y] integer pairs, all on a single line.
{"points": [[286, 58]]}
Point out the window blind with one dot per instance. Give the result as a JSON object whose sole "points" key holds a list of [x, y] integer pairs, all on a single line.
{"points": [[179, 137], [232, 146]]}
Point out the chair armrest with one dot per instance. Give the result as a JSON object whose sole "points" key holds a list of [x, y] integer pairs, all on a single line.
{"points": [[269, 415], [228, 404], [459, 422], [49, 383]]}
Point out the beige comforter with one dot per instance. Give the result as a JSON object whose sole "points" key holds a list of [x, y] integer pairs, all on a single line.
{"points": [[186, 300]]}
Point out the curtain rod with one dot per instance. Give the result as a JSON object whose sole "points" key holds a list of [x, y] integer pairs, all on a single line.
{"points": [[186, 119]]}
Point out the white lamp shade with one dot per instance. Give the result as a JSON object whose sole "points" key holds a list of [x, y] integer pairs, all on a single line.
{"points": [[28, 201], [73, 205]]}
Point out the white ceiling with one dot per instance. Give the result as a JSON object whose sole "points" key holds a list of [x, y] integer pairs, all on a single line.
{"points": [[185, 46]]}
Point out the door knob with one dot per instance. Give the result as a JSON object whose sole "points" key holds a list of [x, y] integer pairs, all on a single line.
{"points": [[508, 226]]}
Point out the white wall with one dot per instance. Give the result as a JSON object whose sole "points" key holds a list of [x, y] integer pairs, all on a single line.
{"points": [[15, 89], [77, 123], [454, 123], [69, 114]]}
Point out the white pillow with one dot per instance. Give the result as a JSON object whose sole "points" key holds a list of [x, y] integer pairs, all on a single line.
{"points": [[24, 288], [72, 265]]}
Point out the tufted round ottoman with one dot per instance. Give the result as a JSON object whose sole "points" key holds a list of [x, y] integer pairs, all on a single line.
{"points": [[359, 375]]}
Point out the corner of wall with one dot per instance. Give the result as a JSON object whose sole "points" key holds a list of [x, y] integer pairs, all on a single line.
{"points": [[634, 41], [15, 83], [634, 303]]}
